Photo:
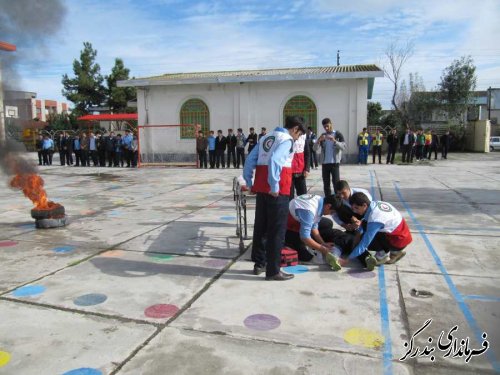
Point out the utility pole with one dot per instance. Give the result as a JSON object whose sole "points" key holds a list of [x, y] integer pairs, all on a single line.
{"points": [[10, 48], [489, 103], [338, 57]]}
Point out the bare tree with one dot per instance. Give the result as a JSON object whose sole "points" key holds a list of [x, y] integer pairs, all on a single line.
{"points": [[397, 55]]}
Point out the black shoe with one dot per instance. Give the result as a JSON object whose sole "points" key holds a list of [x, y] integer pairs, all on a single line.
{"points": [[280, 276], [258, 270]]}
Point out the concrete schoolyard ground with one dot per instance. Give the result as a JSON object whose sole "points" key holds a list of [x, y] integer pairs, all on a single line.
{"points": [[148, 279]]}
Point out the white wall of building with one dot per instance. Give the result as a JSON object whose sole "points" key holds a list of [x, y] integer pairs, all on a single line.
{"points": [[259, 104]]}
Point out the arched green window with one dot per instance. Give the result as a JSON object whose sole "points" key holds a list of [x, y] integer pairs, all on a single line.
{"points": [[194, 111], [301, 105]]}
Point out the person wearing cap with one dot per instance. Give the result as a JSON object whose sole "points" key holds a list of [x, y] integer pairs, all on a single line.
{"points": [[272, 161]]}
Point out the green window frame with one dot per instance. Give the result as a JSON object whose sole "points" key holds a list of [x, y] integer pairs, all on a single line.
{"points": [[301, 105], [194, 111]]}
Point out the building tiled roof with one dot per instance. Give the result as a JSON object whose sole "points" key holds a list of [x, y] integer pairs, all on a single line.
{"points": [[286, 74]]}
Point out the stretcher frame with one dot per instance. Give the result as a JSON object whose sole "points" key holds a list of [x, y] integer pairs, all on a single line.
{"points": [[240, 198]]}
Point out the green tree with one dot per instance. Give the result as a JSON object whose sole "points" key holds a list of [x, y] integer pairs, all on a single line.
{"points": [[457, 87], [119, 96], [374, 113], [85, 89], [416, 104], [62, 121]]}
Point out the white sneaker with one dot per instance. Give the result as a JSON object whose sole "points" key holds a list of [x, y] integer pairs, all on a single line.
{"points": [[382, 257]]}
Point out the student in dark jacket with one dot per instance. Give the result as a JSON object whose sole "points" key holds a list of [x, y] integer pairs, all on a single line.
{"points": [[231, 147], [392, 146], [39, 149], [434, 146], [406, 143], [220, 148], [252, 140], [445, 144], [109, 147], [101, 149]]}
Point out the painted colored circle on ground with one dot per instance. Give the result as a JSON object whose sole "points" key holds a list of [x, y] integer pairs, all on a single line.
{"points": [[360, 273], [8, 243], [364, 337], [87, 212], [29, 290], [90, 299], [262, 322], [63, 249], [4, 358], [112, 253], [215, 262], [84, 371], [27, 226], [228, 218], [295, 269], [161, 311]]}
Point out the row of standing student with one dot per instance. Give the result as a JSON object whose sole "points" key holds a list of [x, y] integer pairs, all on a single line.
{"points": [[115, 151]]}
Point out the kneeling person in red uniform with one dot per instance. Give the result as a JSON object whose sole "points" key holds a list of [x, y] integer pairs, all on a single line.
{"points": [[304, 215], [386, 230]]}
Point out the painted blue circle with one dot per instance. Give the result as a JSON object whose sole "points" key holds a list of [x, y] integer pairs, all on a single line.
{"points": [[90, 299], [27, 226], [114, 213], [228, 217], [28, 290], [84, 371], [295, 269], [63, 249]]}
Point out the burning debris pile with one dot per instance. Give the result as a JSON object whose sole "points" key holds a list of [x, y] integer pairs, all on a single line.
{"points": [[47, 214]]}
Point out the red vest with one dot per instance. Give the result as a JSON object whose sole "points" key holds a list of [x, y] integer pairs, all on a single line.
{"points": [[298, 156], [267, 145], [401, 236]]}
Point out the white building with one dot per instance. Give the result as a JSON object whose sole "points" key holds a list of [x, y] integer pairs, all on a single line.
{"points": [[258, 98]]}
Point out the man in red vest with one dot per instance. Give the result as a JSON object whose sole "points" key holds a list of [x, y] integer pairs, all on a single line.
{"points": [[272, 161], [300, 166]]}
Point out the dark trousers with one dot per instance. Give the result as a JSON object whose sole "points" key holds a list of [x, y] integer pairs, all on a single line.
{"points": [[444, 152], [202, 157], [95, 158], [380, 243], [69, 157], [78, 158], [40, 157], [377, 150], [433, 149], [135, 158], [406, 151], [231, 152], [84, 158], [419, 153], [298, 185], [47, 157], [327, 171], [110, 155], [240, 156], [292, 240], [62, 157], [118, 159], [363, 155], [211, 158], [219, 158], [269, 231], [343, 240], [313, 160], [102, 158], [426, 152], [391, 154]]}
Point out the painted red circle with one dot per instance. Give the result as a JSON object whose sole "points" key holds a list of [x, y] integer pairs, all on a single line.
{"points": [[7, 243], [161, 311]]}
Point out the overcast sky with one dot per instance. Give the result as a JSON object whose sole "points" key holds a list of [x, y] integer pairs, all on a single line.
{"points": [[154, 37]]}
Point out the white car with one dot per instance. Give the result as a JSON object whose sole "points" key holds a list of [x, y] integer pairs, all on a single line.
{"points": [[494, 143]]}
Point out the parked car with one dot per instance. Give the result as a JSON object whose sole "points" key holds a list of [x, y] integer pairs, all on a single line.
{"points": [[494, 143]]}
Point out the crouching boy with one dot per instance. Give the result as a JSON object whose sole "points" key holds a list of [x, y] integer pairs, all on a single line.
{"points": [[305, 212], [386, 230]]}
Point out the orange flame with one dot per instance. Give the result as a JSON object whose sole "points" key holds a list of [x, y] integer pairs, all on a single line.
{"points": [[32, 186]]}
